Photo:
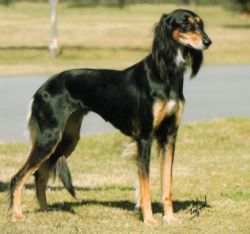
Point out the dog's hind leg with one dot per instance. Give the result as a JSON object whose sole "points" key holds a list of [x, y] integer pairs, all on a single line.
{"points": [[57, 161], [46, 123], [40, 151], [41, 180]]}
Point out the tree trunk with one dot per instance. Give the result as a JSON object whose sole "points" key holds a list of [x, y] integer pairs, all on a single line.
{"points": [[53, 45]]}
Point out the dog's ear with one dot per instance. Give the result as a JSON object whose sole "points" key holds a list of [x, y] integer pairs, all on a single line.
{"points": [[162, 31], [163, 48], [196, 59]]}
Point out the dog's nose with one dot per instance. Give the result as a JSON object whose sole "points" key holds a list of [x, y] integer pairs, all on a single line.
{"points": [[207, 42]]}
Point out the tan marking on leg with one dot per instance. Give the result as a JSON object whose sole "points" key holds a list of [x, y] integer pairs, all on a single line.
{"points": [[159, 112], [137, 194], [145, 200], [166, 181], [17, 212], [162, 109], [167, 160], [179, 113]]}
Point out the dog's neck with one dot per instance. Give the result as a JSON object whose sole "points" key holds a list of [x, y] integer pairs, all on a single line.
{"points": [[170, 68], [170, 62]]}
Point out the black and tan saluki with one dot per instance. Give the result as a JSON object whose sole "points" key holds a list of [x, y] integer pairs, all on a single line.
{"points": [[144, 101]]}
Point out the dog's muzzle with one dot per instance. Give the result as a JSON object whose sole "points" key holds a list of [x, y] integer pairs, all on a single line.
{"points": [[206, 40]]}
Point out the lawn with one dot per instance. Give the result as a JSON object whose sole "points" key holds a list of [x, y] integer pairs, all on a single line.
{"points": [[212, 160], [106, 37]]}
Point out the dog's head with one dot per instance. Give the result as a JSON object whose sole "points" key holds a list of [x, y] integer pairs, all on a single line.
{"points": [[188, 29], [182, 29]]}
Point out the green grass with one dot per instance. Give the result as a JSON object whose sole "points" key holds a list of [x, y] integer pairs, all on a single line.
{"points": [[106, 37], [212, 159]]}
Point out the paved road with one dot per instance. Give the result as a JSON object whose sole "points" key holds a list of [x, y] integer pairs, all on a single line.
{"points": [[217, 92]]}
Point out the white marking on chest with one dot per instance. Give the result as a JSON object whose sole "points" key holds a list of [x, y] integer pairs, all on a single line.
{"points": [[171, 106], [162, 109], [179, 60]]}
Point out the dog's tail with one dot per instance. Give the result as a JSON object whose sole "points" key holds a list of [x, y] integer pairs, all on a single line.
{"points": [[130, 151], [61, 170]]}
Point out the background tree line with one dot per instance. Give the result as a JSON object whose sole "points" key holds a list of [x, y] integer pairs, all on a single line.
{"points": [[242, 5]]}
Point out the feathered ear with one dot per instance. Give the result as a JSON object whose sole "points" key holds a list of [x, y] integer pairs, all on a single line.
{"points": [[196, 57], [162, 48], [162, 34], [160, 29]]}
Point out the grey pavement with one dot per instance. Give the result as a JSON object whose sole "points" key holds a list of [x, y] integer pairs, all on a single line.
{"points": [[217, 92]]}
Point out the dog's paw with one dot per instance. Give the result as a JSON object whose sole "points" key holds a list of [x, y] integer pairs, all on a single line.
{"points": [[170, 219], [150, 221], [17, 216]]}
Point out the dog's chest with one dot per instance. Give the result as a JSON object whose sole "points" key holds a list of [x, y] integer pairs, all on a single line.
{"points": [[163, 109]]}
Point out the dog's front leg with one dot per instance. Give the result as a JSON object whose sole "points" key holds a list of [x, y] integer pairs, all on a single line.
{"points": [[143, 162], [167, 160]]}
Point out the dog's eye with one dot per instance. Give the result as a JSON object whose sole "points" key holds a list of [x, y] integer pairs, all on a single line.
{"points": [[184, 24]]}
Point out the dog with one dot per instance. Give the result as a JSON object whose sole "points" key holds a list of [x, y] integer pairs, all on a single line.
{"points": [[144, 101]]}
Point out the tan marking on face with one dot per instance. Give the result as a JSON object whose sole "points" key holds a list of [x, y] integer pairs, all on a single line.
{"points": [[191, 20], [197, 19], [192, 36], [177, 34], [188, 36], [193, 39]]}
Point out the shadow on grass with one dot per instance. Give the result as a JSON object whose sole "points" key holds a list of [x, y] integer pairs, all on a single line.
{"points": [[4, 186], [123, 204]]}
